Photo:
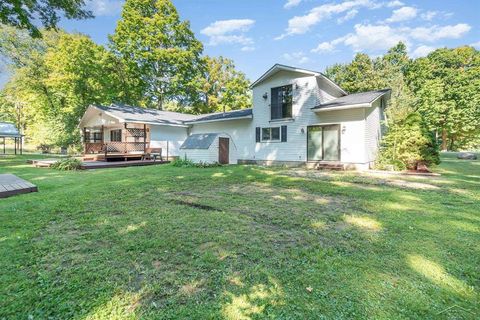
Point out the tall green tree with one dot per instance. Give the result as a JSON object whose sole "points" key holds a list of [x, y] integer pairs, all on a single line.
{"points": [[359, 75], [160, 50], [446, 84], [23, 13], [223, 87], [55, 82]]}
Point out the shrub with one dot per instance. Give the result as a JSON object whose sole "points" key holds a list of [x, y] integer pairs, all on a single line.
{"points": [[407, 144], [187, 163], [45, 148], [202, 164], [67, 164], [179, 162]]}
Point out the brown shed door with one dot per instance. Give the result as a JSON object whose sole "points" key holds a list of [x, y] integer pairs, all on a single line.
{"points": [[223, 147]]}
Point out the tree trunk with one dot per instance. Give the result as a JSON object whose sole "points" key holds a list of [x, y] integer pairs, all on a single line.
{"points": [[444, 139], [452, 142]]}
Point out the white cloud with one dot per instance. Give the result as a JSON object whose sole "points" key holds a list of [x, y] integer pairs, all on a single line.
{"points": [[422, 51], [229, 31], [434, 33], [105, 7], [302, 24], [403, 14], [350, 15], [292, 3], [476, 45], [429, 15], [324, 47], [222, 27], [298, 57], [248, 48], [395, 3], [374, 38]]}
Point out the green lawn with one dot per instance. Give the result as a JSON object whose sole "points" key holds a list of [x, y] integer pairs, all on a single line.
{"points": [[240, 242]]}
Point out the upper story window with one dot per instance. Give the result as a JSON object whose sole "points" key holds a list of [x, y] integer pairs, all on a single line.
{"points": [[281, 105]]}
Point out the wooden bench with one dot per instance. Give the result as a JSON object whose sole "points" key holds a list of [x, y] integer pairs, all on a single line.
{"points": [[152, 153]]}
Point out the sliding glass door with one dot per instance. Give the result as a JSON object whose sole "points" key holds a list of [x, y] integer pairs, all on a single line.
{"points": [[323, 143]]}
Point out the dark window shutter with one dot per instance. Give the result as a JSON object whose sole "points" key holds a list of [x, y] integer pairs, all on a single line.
{"points": [[284, 133], [257, 134]]}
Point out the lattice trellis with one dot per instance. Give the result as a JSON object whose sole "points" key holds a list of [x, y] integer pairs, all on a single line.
{"points": [[136, 133]]}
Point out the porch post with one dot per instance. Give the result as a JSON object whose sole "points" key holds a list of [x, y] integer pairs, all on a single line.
{"points": [[4, 145], [84, 140], [144, 137], [15, 145]]}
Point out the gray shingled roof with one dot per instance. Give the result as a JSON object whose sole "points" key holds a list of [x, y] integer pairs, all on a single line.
{"points": [[353, 99], [137, 114], [222, 115], [8, 129], [199, 141]]}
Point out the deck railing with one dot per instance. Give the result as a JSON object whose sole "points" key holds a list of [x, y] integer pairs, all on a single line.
{"points": [[114, 147], [93, 147]]}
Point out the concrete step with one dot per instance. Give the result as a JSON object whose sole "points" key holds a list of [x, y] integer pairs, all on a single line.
{"points": [[326, 166]]}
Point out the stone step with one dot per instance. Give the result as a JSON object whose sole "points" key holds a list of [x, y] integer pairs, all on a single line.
{"points": [[326, 166]]}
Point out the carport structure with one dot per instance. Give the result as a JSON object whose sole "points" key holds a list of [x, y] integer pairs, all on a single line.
{"points": [[10, 131]]}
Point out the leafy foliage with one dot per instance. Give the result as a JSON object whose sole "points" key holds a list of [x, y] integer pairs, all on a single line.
{"points": [[54, 79], [443, 89], [160, 51], [222, 86], [154, 61], [446, 84], [22, 13], [187, 163], [67, 164], [407, 144]]}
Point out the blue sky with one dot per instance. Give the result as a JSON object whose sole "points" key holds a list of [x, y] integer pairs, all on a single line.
{"points": [[312, 34]]}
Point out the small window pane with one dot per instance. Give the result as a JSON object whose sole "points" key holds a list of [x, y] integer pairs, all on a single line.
{"points": [[276, 133], [265, 133], [97, 136], [116, 135]]}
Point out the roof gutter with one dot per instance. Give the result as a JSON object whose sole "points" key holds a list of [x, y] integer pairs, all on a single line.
{"points": [[216, 120], [155, 123], [350, 106]]}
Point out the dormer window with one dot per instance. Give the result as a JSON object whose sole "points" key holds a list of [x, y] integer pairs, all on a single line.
{"points": [[281, 104]]}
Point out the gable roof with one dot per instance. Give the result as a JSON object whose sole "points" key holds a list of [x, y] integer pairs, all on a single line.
{"points": [[279, 67], [8, 129], [126, 113], [220, 116], [199, 141], [361, 99]]}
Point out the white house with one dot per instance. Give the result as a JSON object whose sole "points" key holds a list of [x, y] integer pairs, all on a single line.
{"points": [[298, 117]]}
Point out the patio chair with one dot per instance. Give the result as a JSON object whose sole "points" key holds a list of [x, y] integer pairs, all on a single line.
{"points": [[153, 154]]}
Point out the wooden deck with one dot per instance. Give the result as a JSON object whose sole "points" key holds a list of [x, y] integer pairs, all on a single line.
{"points": [[88, 164], [102, 157], [119, 164], [11, 185]]}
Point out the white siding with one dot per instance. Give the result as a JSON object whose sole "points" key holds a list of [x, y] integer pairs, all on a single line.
{"points": [[174, 136], [211, 154], [306, 95], [373, 131], [352, 128], [241, 133]]}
